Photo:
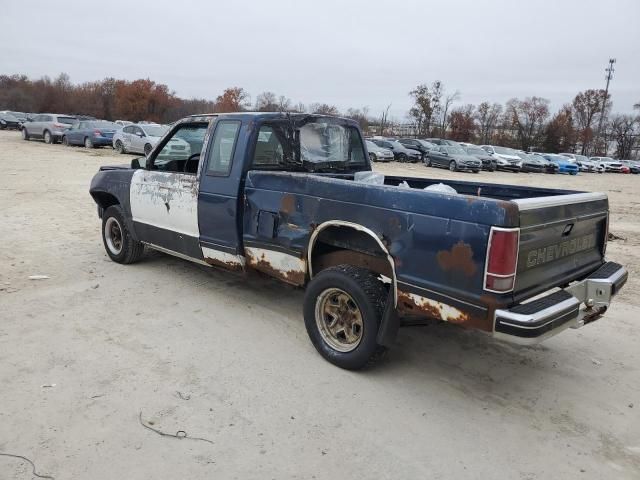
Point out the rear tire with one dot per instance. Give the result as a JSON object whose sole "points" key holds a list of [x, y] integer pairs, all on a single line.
{"points": [[65, 141], [147, 149], [402, 157], [427, 161], [343, 308], [25, 134], [118, 241], [88, 143], [452, 166], [47, 137], [372, 157]]}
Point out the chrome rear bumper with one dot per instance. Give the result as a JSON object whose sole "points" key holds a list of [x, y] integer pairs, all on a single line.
{"points": [[580, 303]]}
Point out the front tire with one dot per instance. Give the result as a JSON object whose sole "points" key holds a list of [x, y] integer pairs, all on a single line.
{"points": [[88, 143], [25, 134], [343, 308], [120, 147], [402, 158], [372, 157], [118, 241], [147, 149], [65, 141], [48, 138], [427, 162]]}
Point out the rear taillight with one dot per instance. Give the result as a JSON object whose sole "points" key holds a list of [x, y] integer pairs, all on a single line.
{"points": [[97, 133], [502, 259], [61, 125]]}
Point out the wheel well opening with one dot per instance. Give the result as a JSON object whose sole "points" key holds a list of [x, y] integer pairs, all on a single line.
{"points": [[104, 200], [337, 245]]}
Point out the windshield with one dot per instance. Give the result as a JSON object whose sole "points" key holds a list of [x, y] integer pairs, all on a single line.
{"points": [[154, 130], [371, 145], [504, 151], [581, 158], [475, 151], [69, 120], [455, 151], [538, 158], [320, 144]]}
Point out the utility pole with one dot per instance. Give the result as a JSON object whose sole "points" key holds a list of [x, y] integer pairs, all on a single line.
{"points": [[609, 76]]}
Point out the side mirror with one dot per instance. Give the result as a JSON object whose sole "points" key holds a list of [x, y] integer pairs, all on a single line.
{"points": [[138, 163]]}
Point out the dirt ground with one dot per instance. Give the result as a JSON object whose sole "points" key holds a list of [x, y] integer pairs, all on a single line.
{"points": [[85, 351]]}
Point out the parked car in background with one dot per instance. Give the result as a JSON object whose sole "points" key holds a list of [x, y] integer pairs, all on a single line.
{"points": [[9, 121], [140, 138], [453, 158], [536, 163], [488, 162], [123, 123], [421, 146], [584, 164], [564, 165], [90, 133], [443, 141], [400, 152], [48, 126], [608, 164], [633, 167], [506, 158], [378, 154]]}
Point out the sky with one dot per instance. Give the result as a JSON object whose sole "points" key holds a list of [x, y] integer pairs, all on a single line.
{"points": [[347, 53]]}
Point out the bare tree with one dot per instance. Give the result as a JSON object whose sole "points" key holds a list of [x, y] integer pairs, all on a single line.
{"points": [[324, 109], [446, 105], [359, 115], [587, 107], [624, 130], [487, 116], [383, 119], [528, 118]]}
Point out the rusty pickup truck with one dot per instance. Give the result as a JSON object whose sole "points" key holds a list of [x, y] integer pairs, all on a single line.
{"points": [[291, 196]]}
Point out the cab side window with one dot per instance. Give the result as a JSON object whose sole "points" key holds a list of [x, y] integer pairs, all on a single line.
{"points": [[269, 150], [223, 147]]}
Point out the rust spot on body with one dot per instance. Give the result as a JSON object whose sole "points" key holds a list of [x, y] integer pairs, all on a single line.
{"points": [[460, 257], [288, 204], [412, 305], [262, 264], [234, 266]]}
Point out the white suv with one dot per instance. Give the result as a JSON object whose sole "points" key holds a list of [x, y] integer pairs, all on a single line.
{"points": [[48, 126]]}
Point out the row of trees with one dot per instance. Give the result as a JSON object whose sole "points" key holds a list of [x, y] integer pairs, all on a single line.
{"points": [[527, 123], [521, 123], [136, 100]]}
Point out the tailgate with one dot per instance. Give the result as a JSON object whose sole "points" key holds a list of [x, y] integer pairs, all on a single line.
{"points": [[562, 238]]}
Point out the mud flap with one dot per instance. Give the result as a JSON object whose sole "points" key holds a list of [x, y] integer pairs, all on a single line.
{"points": [[389, 324]]}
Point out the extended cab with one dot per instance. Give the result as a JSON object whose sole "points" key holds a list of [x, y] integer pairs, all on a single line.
{"points": [[293, 196]]}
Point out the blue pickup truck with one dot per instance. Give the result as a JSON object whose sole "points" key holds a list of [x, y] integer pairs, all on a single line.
{"points": [[288, 195]]}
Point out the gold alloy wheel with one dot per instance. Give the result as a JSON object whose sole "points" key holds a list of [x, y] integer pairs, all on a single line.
{"points": [[339, 320]]}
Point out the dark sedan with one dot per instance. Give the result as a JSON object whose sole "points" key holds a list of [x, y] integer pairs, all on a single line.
{"points": [[534, 163], [453, 158], [7, 120], [421, 146], [91, 134], [488, 162], [400, 152], [633, 167]]}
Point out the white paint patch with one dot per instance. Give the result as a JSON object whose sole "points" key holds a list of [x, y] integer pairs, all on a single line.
{"points": [[229, 259], [447, 312], [288, 265], [165, 200]]}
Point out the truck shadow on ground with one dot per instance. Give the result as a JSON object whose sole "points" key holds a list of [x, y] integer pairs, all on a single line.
{"points": [[467, 360]]}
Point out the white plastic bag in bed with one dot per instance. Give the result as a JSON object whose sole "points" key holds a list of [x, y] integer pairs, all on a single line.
{"points": [[442, 188], [372, 178]]}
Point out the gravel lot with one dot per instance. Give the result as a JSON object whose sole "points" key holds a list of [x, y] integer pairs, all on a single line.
{"points": [[83, 352]]}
